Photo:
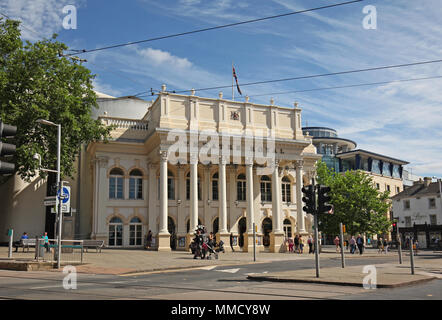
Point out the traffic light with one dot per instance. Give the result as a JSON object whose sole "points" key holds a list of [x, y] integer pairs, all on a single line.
{"points": [[323, 200], [394, 224], [7, 149], [309, 199]]}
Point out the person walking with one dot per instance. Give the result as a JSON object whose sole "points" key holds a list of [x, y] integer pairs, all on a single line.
{"points": [[352, 244], [310, 244], [385, 245], [231, 241], [46, 242], [296, 244], [337, 241], [301, 245], [149, 239], [360, 243], [380, 245], [290, 241]]}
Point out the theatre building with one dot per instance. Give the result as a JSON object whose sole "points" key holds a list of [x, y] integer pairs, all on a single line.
{"points": [[223, 175]]}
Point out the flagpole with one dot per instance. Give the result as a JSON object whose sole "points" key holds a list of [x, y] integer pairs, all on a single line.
{"points": [[233, 91]]}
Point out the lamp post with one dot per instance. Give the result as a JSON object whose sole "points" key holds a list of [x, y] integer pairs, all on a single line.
{"points": [[59, 184]]}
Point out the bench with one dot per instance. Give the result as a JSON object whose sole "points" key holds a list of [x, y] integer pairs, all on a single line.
{"points": [[97, 244], [25, 243]]}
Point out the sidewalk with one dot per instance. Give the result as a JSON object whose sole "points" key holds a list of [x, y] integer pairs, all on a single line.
{"points": [[388, 275]]}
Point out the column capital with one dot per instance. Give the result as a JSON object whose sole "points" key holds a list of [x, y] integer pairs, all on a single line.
{"points": [[164, 155], [248, 161], [223, 160], [193, 158], [299, 164]]}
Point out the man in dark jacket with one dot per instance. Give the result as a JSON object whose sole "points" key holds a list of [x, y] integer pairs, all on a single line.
{"points": [[360, 243]]}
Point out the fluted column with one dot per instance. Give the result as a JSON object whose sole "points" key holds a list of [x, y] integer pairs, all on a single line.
{"points": [[223, 196], [249, 196], [299, 205], [276, 199], [163, 194], [193, 193]]}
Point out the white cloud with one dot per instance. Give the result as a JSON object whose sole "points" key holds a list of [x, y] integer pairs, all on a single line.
{"points": [[164, 58]]}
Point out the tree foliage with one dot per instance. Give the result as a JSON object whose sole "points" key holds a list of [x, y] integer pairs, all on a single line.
{"points": [[37, 82], [357, 203]]}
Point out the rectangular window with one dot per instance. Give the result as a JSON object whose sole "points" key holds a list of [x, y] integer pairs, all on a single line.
{"points": [[215, 190], [135, 188], [432, 203], [407, 222], [406, 204], [378, 186], [433, 219], [286, 195], [398, 189], [115, 188], [388, 187], [170, 189], [266, 192], [241, 191]]}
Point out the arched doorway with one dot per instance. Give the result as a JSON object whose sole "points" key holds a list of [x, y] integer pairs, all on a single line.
{"points": [[172, 230], [242, 228], [215, 226], [266, 229], [115, 232]]}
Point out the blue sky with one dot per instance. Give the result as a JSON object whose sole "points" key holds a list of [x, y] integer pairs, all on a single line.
{"points": [[401, 120]]}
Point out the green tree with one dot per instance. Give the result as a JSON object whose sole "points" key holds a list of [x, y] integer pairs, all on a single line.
{"points": [[357, 203], [38, 82]]}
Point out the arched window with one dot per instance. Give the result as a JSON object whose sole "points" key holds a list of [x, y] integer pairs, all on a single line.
{"points": [[188, 187], [215, 186], [115, 232], [135, 184], [241, 187], [266, 189], [135, 232], [116, 180], [286, 190]]}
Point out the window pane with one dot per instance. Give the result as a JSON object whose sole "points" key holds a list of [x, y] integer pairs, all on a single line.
{"points": [[119, 188], [215, 190], [111, 188], [131, 188]]}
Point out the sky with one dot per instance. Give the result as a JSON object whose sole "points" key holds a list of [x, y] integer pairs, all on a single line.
{"points": [[401, 120]]}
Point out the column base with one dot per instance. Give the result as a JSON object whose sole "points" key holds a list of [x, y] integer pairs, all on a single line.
{"points": [[277, 243], [163, 242], [225, 237], [248, 243]]}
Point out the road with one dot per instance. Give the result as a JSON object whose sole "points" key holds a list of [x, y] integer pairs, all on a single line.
{"points": [[206, 283]]}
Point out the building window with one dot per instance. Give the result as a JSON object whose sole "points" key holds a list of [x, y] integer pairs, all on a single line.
{"points": [[432, 203], [116, 180], [406, 204], [241, 187], [266, 189], [135, 184], [135, 232], [286, 190], [407, 222], [115, 232], [378, 186], [388, 187], [215, 186], [170, 186], [287, 228], [433, 219], [398, 189], [188, 187], [375, 166]]}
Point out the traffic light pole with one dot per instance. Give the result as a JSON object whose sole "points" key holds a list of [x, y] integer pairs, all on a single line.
{"points": [[315, 215], [399, 243]]}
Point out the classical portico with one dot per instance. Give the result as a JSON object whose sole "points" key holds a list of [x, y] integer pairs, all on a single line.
{"points": [[209, 161]]}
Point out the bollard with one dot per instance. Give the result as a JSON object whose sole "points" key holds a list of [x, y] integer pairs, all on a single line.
{"points": [[411, 256], [11, 237], [342, 246]]}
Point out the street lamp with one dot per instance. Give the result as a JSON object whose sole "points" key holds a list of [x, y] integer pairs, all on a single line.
{"points": [[59, 184]]}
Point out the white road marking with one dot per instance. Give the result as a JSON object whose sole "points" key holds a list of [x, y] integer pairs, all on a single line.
{"points": [[229, 270]]}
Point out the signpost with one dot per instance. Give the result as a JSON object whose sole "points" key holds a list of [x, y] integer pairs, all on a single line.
{"points": [[342, 245]]}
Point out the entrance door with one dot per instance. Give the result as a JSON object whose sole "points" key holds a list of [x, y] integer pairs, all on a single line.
{"points": [[172, 231], [115, 232], [242, 228], [422, 238], [266, 229]]}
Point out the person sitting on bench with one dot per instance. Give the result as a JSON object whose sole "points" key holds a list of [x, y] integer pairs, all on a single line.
{"points": [[18, 243]]}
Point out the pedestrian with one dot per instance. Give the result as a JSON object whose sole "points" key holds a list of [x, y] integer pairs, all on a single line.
{"points": [[380, 245], [301, 244], [310, 244], [149, 239], [360, 243], [352, 244], [385, 245], [436, 242], [231, 241], [46, 241], [416, 247], [336, 241], [296, 244], [290, 241]]}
